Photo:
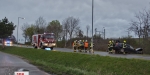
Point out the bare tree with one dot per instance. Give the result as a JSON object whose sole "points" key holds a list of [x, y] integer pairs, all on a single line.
{"points": [[87, 29], [24, 29], [141, 26], [78, 32], [146, 24], [70, 24], [40, 24]]}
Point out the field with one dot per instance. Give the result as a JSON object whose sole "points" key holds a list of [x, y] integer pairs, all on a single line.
{"points": [[65, 63]]}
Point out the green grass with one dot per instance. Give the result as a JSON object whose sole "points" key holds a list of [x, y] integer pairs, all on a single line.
{"points": [[63, 63]]}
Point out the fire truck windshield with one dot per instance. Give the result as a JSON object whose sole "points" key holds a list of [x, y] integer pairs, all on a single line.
{"points": [[48, 36]]}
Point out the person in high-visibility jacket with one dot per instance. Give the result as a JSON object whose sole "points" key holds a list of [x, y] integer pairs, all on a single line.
{"points": [[74, 46], [79, 45], [91, 47], [111, 45], [86, 45], [124, 46], [82, 45]]}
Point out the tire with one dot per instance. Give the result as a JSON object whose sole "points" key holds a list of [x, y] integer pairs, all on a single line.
{"points": [[35, 47], [51, 48], [42, 47]]}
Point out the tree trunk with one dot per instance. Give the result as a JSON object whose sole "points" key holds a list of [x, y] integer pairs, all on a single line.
{"points": [[3, 46]]}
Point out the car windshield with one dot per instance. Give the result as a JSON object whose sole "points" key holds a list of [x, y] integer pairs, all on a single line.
{"points": [[49, 36], [8, 39]]}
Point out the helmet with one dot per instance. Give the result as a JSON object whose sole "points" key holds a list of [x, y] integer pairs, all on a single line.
{"points": [[112, 40], [124, 41], [85, 40], [109, 41]]}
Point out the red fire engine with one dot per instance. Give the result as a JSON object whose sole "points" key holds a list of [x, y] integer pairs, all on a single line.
{"points": [[43, 41]]}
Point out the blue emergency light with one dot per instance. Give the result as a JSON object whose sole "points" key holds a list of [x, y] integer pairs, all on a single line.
{"points": [[48, 49]]}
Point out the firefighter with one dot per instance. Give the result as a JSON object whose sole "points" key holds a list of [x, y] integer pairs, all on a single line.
{"points": [[91, 47], [79, 45], [74, 46], [86, 44], [124, 46], [110, 46], [82, 45]]}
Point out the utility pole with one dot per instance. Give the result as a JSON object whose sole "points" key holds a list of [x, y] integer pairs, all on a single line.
{"points": [[104, 32], [92, 51], [95, 30]]}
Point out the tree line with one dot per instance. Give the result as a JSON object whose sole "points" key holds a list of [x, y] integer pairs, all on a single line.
{"points": [[69, 27]]}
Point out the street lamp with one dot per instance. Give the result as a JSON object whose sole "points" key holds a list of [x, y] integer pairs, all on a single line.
{"points": [[18, 27]]}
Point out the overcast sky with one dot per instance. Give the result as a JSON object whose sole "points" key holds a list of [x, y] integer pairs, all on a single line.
{"points": [[114, 15]]}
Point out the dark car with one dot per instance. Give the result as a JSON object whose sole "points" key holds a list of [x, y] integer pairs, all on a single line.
{"points": [[129, 49]]}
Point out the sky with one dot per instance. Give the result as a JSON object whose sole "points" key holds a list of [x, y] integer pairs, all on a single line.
{"points": [[113, 15]]}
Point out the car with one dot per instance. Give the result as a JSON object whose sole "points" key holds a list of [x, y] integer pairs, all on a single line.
{"points": [[8, 42], [129, 49]]}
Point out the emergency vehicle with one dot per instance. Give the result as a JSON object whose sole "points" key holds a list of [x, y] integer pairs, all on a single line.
{"points": [[8, 42], [43, 41]]}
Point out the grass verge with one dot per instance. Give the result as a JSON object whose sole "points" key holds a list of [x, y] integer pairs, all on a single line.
{"points": [[64, 63]]}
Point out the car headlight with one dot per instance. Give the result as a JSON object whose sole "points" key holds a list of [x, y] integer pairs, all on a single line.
{"points": [[54, 44], [10, 42], [5, 42], [45, 44]]}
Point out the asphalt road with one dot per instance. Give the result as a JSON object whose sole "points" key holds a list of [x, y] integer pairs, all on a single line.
{"points": [[10, 63], [130, 56]]}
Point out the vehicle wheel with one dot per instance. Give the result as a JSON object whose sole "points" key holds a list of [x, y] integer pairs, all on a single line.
{"points": [[51, 48], [141, 52], [42, 47], [35, 47]]}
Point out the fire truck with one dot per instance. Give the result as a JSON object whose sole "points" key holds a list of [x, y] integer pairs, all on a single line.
{"points": [[43, 41]]}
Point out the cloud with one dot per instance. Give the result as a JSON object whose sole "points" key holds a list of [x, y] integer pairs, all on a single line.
{"points": [[114, 15]]}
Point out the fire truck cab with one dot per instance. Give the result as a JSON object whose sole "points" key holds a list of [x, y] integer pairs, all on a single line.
{"points": [[43, 41]]}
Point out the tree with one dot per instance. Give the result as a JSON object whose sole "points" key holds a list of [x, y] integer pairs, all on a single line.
{"points": [[55, 27], [40, 25], [79, 32], [30, 31], [141, 26], [6, 28], [24, 29], [70, 24]]}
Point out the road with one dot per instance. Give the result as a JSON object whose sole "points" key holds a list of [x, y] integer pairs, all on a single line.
{"points": [[130, 56], [10, 63]]}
